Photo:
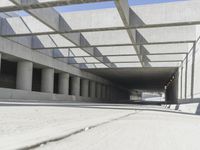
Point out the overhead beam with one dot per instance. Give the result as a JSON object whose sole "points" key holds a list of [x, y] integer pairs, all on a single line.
{"points": [[34, 4], [113, 45], [99, 29], [57, 23], [123, 55], [124, 11], [126, 62], [87, 30]]}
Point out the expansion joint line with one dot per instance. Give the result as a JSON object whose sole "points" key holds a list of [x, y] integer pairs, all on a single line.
{"points": [[36, 145]]}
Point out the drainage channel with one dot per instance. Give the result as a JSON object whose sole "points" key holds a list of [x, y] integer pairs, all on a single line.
{"points": [[42, 143]]}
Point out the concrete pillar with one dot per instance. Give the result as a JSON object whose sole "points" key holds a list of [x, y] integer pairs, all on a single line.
{"points": [[0, 62], [24, 75], [75, 86], [193, 69], [103, 91], [108, 92], [63, 83], [84, 87], [186, 70], [47, 82], [98, 90], [92, 89]]}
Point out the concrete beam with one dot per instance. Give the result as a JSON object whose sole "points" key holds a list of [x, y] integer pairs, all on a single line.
{"points": [[35, 4], [124, 11], [122, 55], [124, 61], [114, 45]]}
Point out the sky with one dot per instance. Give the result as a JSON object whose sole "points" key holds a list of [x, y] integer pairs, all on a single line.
{"points": [[100, 5]]}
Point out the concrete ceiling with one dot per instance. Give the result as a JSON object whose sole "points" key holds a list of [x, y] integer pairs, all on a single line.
{"points": [[137, 78]]}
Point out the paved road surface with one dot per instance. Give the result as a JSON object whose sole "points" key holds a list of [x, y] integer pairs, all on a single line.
{"points": [[97, 127]]}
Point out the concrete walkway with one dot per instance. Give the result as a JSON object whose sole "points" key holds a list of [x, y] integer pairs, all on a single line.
{"points": [[79, 126]]}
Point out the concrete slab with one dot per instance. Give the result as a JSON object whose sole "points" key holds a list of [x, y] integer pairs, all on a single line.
{"points": [[109, 126], [142, 130]]}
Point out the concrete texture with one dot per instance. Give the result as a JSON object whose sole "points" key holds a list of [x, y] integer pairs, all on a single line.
{"points": [[75, 87], [104, 126], [47, 80], [92, 89], [98, 90], [0, 62], [24, 75], [63, 83], [85, 87], [159, 40]]}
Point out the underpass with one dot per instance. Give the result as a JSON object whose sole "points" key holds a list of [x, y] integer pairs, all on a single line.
{"points": [[99, 74]]}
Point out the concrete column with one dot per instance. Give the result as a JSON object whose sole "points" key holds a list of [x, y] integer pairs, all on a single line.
{"points": [[85, 87], [181, 83], [24, 75], [47, 82], [75, 86], [186, 68], [103, 91], [192, 71], [92, 89], [63, 83], [98, 90], [0, 62], [108, 92]]}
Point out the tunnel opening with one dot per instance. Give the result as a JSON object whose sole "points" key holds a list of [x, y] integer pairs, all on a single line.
{"points": [[154, 96], [160, 81]]}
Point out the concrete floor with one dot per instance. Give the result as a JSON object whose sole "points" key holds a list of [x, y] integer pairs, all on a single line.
{"points": [[97, 126]]}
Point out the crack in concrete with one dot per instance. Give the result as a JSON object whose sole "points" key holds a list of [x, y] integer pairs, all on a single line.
{"points": [[36, 145]]}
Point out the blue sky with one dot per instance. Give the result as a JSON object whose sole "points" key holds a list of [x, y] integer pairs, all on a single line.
{"points": [[100, 5]]}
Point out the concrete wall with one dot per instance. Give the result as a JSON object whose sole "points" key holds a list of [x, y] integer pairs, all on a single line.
{"points": [[187, 107], [12, 94], [186, 73], [197, 66]]}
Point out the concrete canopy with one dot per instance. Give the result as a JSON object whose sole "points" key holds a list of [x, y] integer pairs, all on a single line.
{"points": [[125, 36]]}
